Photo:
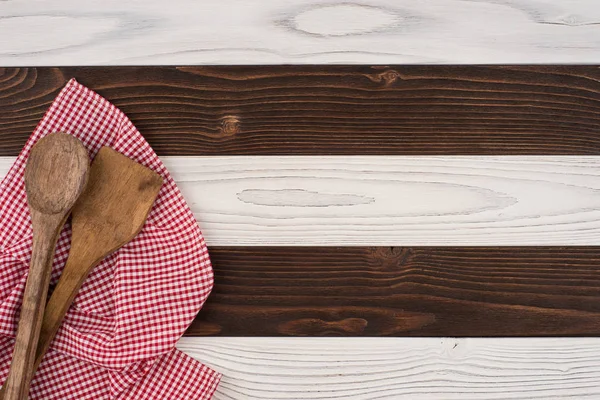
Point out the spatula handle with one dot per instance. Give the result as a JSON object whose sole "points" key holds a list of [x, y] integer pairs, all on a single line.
{"points": [[46, 230], [59, 303]]}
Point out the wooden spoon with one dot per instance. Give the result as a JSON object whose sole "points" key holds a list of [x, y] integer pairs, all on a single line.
{"points": [[109, 214], [55, 175]]}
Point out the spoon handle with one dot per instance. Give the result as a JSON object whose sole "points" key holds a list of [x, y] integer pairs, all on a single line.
{"points": [[46, 229]]}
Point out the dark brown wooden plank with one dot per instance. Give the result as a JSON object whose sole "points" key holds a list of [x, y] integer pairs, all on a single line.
{"points": [[317, 110], [361, 291]]}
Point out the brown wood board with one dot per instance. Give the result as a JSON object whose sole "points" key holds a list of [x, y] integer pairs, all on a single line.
{"points": [[383, 291], [336, 110]]}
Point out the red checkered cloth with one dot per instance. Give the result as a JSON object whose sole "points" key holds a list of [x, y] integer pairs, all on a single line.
{"points": [[117, 340]]}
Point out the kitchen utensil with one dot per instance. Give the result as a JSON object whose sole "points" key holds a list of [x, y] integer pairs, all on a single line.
{"points": [[55, 175]]}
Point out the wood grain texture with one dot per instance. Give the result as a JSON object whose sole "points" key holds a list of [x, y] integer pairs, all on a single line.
{"points": [[382, 291], [392, 201], [66, 32], [416, 201], [330, 110], [401, 369]]}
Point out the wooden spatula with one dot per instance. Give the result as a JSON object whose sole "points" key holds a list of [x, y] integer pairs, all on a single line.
{"points": [[109, 213], [55, 176]]}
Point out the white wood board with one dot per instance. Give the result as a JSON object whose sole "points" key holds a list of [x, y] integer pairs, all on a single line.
{"points": [[116, 32], [401, 368], [376, 200]]}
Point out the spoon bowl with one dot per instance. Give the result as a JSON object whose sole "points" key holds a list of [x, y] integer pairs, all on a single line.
{"points": [[50, 188]]}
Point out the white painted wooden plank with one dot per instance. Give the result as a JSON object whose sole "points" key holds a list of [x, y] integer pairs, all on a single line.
{"points": [[401, 368], [416, 201], [100, 32]]}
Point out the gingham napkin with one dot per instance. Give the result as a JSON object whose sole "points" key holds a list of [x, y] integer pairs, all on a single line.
{"points": [[117, 340]]}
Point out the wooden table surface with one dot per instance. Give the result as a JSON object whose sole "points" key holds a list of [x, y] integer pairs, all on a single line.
{"points": [[440, 221]]}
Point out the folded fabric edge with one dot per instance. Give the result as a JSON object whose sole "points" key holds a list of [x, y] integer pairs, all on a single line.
{"points": [[174, 376]]}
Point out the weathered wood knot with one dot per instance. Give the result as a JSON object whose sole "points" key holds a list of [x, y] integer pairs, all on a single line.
{"points": [[387, 77], [230, 125]]}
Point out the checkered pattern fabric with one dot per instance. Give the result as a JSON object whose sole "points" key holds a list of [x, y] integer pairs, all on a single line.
{"points": [[117, 340]]}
